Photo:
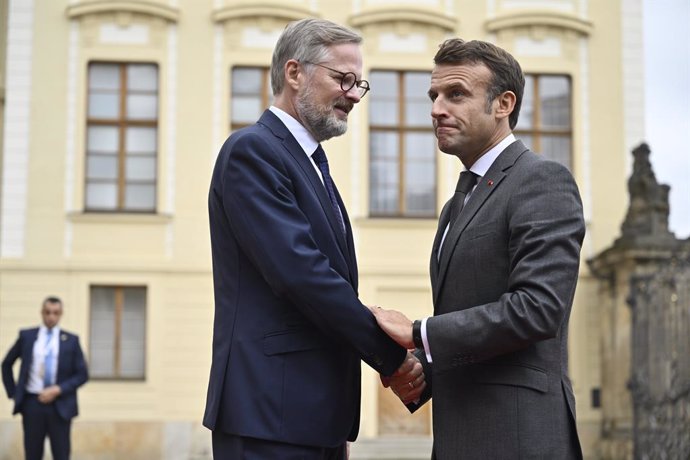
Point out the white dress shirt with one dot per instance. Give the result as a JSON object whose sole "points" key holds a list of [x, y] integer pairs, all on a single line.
{"points": [[300, 133], [304, 139], [41, 348], [480, 167]]}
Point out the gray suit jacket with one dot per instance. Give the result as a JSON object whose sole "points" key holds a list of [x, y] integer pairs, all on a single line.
{"points": [[503, 291]]}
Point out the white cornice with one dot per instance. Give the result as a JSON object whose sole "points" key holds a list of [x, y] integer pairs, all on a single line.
{"points": [[540, 18], [415, 15], [268, 9], [86, 8]]}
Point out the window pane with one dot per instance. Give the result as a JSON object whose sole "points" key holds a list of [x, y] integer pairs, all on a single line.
{"points": [[246, 109], [140, 168], [554, 95], [385, 84], [557, 148], [140, 197], [527, 109], [418, 113], [420, 174], [132, 342], [142, 107], [102, 339], [101, 196], [102, 139], [417, 102], [247, 81], [104, 105], [420, 147], [416, 84], [101, 167], [383, 109], [104, 76], [140, 140], [383, 173], [142, 77], [383, 113]]}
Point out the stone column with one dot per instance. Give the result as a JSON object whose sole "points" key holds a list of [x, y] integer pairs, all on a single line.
{"points": [[645, 246]]}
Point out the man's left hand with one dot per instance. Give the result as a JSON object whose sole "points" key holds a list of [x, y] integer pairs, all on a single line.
{"points": [[396, 325], [48, 395]]}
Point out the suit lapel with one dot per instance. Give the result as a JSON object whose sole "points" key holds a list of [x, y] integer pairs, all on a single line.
{"points": [[488, 185], [295, 150]]}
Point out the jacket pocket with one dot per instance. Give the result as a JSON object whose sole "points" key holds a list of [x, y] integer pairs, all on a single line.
{"points": [[511, 374], [276, 343]]}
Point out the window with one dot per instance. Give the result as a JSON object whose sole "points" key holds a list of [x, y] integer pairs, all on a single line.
{"points": [[402, 146], [545, 123], [250, 95], [118, 327], [121, 138]]}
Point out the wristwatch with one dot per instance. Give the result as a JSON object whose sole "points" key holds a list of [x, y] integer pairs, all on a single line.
{"points": [[417, 334]]}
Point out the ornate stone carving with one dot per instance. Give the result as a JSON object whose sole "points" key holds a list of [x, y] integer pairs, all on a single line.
{"points": [[645, 348], [648, 212]]}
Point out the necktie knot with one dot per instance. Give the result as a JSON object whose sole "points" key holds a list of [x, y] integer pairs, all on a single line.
{"points": [[319, 156], [466, 181]]}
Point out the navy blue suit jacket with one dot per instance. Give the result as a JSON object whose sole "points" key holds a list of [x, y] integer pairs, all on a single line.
{"points": [[71, 371], [289, 330]]}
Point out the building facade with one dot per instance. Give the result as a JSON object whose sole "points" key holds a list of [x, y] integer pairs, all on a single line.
{"points": [[113, 113]]}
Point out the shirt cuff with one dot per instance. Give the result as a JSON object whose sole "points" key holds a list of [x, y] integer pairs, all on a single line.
{"points": [[425, 341]]}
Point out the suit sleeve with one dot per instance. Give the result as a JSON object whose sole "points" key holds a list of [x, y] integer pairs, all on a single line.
{"points": [[79, 374], [545, 229], [275, 233], [7, 363]]}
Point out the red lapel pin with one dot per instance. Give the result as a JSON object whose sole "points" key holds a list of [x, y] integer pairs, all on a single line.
{"points": [[490, 182]]}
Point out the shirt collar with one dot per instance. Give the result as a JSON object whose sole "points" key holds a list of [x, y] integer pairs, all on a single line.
{"points": [[43, 331], [300, 133], [482, 165]]}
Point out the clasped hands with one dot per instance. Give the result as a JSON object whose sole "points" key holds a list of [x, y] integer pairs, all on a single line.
{"points": [[49, 394], [408, 381]]}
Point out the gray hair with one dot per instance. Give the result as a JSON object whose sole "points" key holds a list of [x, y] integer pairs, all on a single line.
{"points": [[307, 40]]}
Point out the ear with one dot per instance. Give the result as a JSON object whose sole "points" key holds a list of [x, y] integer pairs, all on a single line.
{"points": [[504, 104], [293, 70]]}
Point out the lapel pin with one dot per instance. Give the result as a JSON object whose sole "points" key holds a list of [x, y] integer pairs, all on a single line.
{"points": [[63, 337], [490, 182]]}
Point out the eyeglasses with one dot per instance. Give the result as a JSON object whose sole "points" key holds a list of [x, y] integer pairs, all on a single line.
{"points": [[348, 80]]}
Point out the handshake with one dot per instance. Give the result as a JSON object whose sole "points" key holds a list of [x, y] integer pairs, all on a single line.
{"points": [[408, 382]]}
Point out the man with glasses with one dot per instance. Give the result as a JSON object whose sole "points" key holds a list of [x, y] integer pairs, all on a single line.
{"points": [[289, 329]]}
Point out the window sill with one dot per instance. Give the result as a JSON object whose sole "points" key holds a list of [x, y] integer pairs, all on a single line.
{"points": [[119, 218]]}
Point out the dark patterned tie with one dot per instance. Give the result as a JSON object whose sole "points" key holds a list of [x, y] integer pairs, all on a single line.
{"points": [[319, 157], [466, 182]]}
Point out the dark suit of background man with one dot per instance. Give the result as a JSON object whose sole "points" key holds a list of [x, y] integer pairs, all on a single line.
{"points": [[52, 368], [289, 330], [503, 275]]}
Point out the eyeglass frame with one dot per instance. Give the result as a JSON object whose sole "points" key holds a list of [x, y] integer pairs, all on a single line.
{"points": [[363, 90]]}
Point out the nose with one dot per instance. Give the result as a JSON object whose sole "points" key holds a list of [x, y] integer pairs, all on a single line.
{"points": [[353, 94], [438, 109]]}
